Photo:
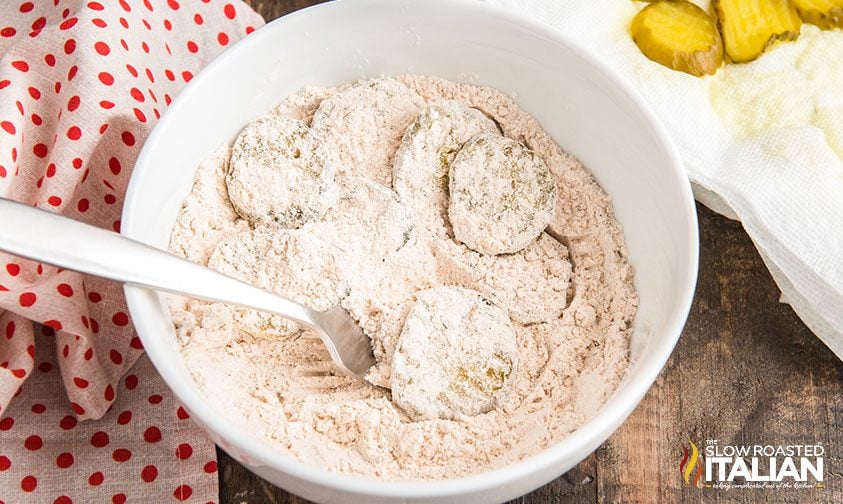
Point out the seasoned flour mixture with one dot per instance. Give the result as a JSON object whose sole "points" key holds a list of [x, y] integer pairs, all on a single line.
{"points": [[483, 261]]}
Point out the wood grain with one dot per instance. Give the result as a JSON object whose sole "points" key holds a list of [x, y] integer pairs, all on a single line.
{"points": [[746, 370], [272, 9]]}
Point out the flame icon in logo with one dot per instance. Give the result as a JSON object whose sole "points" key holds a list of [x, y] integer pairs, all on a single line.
{"points": [[691, 464]]}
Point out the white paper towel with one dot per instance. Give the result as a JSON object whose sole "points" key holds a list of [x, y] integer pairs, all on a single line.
{"points": [[784, 181]]}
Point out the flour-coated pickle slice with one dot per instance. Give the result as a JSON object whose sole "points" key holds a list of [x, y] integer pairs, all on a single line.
{"points": [[502, 195], [456, 355], [364, 121], [421, 165], [280, 173]]}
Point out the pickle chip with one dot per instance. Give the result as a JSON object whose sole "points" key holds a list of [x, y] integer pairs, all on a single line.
{"points": [[826, 14], [280, 174], [502, 195], [363, 122], [420, 170], [678, 35], [455, 356], [749, 27]]}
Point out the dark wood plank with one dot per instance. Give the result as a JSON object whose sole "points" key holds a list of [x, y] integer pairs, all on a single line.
{"points": [[271, 9], [238, 485], [746, 370]]}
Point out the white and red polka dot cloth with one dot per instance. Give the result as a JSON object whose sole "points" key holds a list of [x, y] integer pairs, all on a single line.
{"points": [[81, 85], [145, 447]]}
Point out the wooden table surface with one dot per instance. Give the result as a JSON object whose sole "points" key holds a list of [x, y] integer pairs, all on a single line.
{"points": [[746, 371]]}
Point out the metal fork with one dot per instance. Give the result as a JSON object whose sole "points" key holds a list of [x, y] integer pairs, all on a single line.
{"points": [[30, 232]]}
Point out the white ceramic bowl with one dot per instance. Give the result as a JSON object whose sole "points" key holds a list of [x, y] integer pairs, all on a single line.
{"points": [[585, 106]]}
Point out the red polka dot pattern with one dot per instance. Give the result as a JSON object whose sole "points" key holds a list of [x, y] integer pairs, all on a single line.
{"points": [[184, 451], [68, 422], [99, 439], [102, 48], [33, 442], [124, 417], [152, 435], [65, 289], [67, 145], [120, 319], [96, 479], [131, 381], [132, 446], [149, 473], [121, 455], [115, 356], [183, 492], [65, 460], [27, 299], [29, 483]]}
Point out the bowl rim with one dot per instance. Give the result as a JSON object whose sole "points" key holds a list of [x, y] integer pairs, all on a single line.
{"points": [[599, 427]]}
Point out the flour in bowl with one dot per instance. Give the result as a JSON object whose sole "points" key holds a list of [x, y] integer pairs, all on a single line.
{"points": [[483, 358]]}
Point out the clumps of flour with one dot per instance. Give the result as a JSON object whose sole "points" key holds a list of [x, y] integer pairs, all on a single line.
{"points": [[296, 263], [532, 284], [392, 260]]}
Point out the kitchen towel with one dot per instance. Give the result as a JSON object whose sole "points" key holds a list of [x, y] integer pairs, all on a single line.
{"points": [[782, 176], [81, 85]]}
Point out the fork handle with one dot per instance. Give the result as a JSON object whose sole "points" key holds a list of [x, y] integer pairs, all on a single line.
{"points": [[50, 238]]}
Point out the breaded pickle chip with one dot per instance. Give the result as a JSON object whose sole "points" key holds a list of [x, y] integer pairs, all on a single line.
{"points": [[455, 356], [280, 173], [363, 122], [420, 169], [502, 195]]}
